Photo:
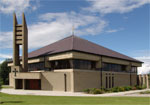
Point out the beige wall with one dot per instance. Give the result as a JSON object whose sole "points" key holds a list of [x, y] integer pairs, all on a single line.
{"points": [[84, 79], [77, 80], [55, 81], [134, 79], [49, 80], [11, 79], [121, 79], [85, 56]]}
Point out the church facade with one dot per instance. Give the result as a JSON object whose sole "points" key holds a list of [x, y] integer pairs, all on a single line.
{"points": [[71, 64]]}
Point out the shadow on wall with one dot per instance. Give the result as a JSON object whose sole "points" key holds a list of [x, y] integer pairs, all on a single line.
{"points": [[45, 84]]}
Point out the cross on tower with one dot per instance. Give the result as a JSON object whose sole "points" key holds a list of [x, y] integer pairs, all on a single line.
{"points": [[72, 29], [15, 71]]}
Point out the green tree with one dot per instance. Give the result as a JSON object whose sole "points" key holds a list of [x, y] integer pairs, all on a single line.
{"points": [[0, 91], [4, 73], [0, 86]]}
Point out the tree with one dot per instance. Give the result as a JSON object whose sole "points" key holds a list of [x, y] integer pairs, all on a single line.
{"points": [[4, 73], [0, 91], [0, 86]]}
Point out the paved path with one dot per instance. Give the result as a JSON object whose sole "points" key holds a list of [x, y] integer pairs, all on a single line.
{"points": [[57, 93]]}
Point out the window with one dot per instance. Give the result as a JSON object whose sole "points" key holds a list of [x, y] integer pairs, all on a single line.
{"points": [[112, 82], [60, 64], [73, 63], [83, 64], [114, 67], [133, 69], [36, 66], [109, 82], [106, 82]]}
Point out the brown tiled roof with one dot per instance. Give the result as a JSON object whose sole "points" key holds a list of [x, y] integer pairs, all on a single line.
{"points": [[77, 44]]}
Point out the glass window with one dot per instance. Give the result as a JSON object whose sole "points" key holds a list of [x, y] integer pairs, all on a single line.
{"points": [[83, 64], [60, 64], [36, 66], [114, 67], [134, 69]]}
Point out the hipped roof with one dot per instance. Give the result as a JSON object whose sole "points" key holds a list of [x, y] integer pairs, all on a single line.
{"points": [[74, 43]]}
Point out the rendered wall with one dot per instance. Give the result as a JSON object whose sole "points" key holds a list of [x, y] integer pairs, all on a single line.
{"points": [[84, 79], [134, 77], [120, 79], [11, 80], [55, 81]]}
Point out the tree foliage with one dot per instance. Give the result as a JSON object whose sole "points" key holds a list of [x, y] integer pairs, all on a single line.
{"points": [[4, 73]]}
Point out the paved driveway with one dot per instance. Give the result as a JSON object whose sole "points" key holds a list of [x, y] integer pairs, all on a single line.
{"points": [[59, 93]]}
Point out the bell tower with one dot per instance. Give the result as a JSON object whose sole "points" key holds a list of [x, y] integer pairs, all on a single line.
{"points": [[20, 37]]}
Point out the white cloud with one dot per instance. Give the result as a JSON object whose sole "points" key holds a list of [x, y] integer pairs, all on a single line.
{"points": [[55, 26], [145, 69], [115, 6], [6, 39], [18, 6], [114, 30], [5, 56]]}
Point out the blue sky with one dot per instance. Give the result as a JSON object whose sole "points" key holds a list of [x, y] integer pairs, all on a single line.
{"points": [[121, 25]]}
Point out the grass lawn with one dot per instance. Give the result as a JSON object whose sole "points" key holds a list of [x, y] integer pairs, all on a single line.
{"points": [[55, 100], [6, 86]]}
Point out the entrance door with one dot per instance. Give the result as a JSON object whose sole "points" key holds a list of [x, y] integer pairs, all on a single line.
{"points": [[33, 84], [19, 84]]}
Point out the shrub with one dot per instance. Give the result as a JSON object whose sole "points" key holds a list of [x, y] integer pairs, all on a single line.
{"points": [[127, 88], [0, 86], [121, 89], [98, 91], [145, 92], [86, 90], [107, 90], [144, 87], [115, 89], [134, 88], [92, 90], [139, 87]]}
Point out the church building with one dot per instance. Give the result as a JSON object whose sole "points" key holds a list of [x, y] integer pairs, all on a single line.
{"points": [[71, 64]]}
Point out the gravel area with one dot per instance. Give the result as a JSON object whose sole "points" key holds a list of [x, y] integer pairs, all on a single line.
{"points": [[134, 93]]}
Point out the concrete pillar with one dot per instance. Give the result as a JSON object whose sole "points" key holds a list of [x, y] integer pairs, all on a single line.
{"points": [[15, 46], [23, 84], [147, 82], [140, 80], [15, 83], [72, 82], [24, 44], [98, 64], [143, 80]]}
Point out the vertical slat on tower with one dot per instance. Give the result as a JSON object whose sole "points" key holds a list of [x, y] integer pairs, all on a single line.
{"points": [[24, 44], [15, 45]]}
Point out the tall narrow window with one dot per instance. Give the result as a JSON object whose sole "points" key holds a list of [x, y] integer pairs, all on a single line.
{"points": [[65, 82], [109, 82], [112, 82], [106, 82]]}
